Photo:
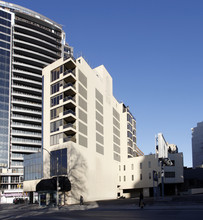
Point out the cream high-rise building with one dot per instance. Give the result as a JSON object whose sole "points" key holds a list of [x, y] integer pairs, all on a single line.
{"points": [[89, 137], [86, 126]]}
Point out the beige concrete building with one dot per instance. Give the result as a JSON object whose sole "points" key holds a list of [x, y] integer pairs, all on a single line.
{"points": [[90, 136], [82, 116], [136, 175]]}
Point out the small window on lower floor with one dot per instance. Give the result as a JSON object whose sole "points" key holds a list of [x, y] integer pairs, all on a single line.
{"points": [[132, 177], [140, 176]]}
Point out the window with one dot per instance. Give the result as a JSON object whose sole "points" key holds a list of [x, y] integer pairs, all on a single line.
{"points": [[119, 168], [169, 174], [119, 178], [140, 176], [132, 177], [129, 118], [55, 88], [58, 162], [56, 73], [54, 126], [130, 135], [150, 175], [55, 100], [149, 164], [140, 165], [124, 178], [124, 167], [132, 166]]}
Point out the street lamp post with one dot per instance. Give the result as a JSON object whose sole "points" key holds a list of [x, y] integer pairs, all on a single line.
{"points": [[57, 184], [57, 178]]}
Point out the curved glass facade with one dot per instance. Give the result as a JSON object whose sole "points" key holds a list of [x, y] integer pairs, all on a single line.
{"points": [[5, 31]]}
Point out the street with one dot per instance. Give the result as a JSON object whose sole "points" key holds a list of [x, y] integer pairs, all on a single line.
{"points": [[184, 208], [104, 214]]}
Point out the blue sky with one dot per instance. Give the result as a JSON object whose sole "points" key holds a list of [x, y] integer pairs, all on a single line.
{"points": [[153, 50]]}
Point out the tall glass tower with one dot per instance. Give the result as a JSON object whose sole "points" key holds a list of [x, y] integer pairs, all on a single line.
{"points": [[28, 42]]}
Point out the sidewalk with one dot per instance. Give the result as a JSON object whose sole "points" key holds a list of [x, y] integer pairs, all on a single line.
{"points": [[167, 203]]}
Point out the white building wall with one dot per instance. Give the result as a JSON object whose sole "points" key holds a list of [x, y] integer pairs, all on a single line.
{"points": [[98, 176]]}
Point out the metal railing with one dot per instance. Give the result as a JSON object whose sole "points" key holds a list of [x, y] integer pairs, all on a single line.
{"points": [[68, 112]]}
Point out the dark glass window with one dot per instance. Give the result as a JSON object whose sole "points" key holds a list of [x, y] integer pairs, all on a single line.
{"points": [[5, 37], [4, 103], [5, 15], [55, 88], [129, 118], [5, 22], [55, 100], [5, 30], [61, 164], [4, 45], [56, 73]]}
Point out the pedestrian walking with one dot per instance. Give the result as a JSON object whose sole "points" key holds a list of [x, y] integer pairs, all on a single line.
{"points": [[141, 201], [81, 200]]}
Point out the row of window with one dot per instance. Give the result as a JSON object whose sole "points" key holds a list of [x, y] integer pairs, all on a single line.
{"points": [[4, 14], [4, 45], [55, 100], [5, 30], [54, 126], [5, 22], [132, 166], [5, 37], [167, 175], [55, 74]]}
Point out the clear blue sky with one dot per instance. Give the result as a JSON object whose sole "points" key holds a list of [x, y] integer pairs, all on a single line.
{"points": [[153, 50]]}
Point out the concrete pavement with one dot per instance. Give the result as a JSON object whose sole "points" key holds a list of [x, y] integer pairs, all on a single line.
{"points": [[194, 202]]}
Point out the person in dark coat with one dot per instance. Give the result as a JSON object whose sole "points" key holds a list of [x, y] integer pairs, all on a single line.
{"points": [[141, 202], [81, 200]]}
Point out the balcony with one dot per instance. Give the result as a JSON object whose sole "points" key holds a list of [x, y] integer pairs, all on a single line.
{"points": [[26, 110], [69, 76], [69, 102], [69, 111], [69, 125], [26, 134], [26, 103], [69, 138], [69, 84], [24, 141], [69, 129], [23, 149], [27, 88], [69, 98], [26, 126]]}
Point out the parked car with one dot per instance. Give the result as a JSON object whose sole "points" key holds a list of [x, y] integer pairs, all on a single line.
{"points": [[18, 201]]}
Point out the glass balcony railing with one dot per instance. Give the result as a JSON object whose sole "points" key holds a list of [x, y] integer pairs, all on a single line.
{"points": [[26, 95], [25, 117], [69, 98], [26, 125], [25, 140], [27, 102], [69, 71], [26, 132], [27, 87], [68, 85], [23, 148], [69, 138], [68, 112], [69, 125], [26, 109]]}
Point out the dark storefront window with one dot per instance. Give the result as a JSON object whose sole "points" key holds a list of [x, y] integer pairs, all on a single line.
{"points": [[62, 162]]}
